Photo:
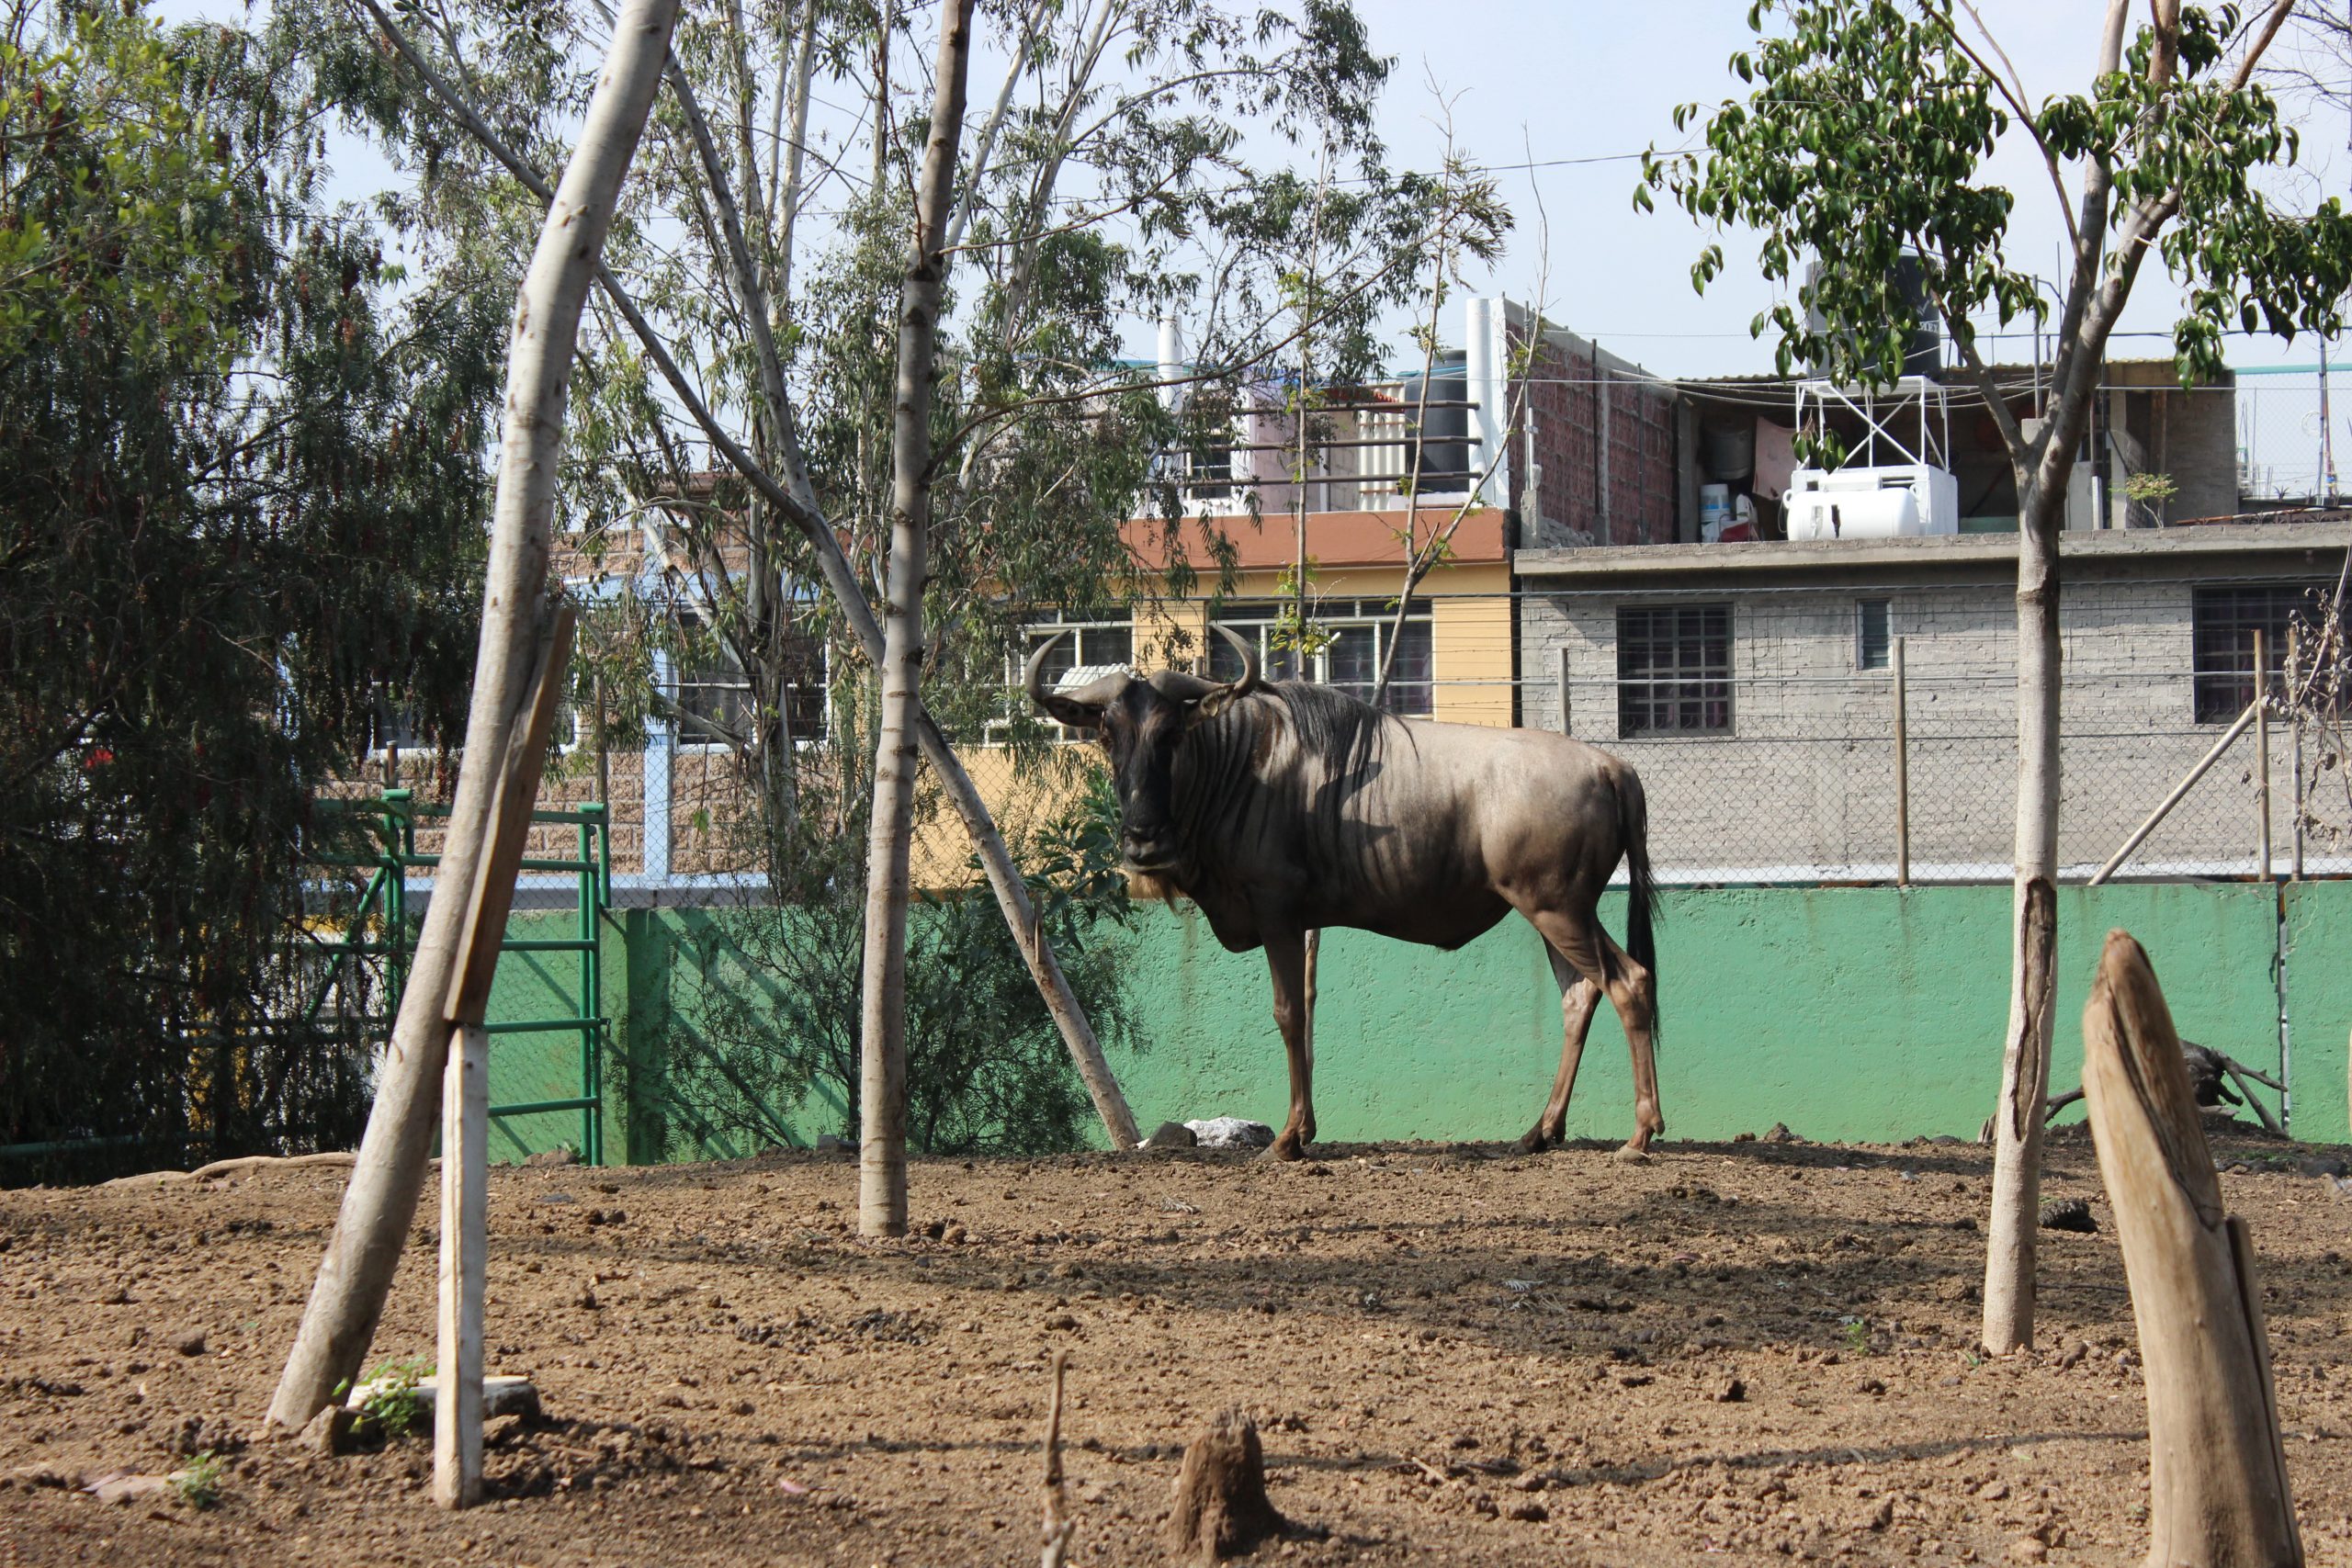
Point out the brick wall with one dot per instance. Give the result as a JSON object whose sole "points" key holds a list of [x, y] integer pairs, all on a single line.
{"points": [[1567, 387]]}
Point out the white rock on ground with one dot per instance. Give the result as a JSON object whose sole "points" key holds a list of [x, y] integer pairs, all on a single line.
{"points": [[503, 1396], [1232, 1132]]}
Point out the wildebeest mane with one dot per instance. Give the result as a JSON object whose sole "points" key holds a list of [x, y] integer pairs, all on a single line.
{"points": [[1345, 734], [1344, 729]]}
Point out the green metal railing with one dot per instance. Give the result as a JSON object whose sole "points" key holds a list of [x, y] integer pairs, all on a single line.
{"points": [[383, 908]]}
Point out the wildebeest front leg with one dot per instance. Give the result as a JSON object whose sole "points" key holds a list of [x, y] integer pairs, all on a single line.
{"points": [[1580, 999], [1286, 959]]}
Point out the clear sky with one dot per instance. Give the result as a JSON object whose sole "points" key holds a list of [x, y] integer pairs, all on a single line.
{"points": [[1570, 79]]}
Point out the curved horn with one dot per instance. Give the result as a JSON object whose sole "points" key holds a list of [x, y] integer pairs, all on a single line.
{"points": [[1248, 682], [1031, 673]]}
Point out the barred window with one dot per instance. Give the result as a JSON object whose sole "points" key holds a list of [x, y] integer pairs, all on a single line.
{"points": [[1207, 463], [2222, 623], [1674, 670], [1084, 645]]}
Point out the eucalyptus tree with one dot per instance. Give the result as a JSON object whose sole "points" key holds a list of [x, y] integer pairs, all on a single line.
{"points": [[1865, 141], [240, 507]]}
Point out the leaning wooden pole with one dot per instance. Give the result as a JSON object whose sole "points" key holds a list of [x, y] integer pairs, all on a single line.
{"points": [[389, 1177], [2217, 1475]]}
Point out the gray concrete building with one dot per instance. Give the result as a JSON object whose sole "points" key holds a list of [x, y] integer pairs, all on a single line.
{"points": [[1752, 685]]}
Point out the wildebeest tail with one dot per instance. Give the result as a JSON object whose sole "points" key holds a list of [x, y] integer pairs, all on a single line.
{"points": [[1641, 902]]}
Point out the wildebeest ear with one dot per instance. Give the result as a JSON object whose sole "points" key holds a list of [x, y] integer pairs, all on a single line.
{"points": [[1069, 709], [1210, 704]]}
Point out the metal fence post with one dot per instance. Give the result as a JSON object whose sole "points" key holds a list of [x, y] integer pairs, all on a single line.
{"points": [[2262, 748], [1902, 774], [2295, 733], [1562, 676]]}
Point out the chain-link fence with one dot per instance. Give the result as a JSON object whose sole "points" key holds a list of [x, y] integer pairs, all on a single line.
{"points": [[2292, 437], [1803, 780]]}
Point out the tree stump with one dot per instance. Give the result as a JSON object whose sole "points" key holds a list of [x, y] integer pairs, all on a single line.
{"points": [[1221, 1504], [2217, 1476]]}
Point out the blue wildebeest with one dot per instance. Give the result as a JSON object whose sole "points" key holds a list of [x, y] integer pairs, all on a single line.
{"points": [[1283, 807]]}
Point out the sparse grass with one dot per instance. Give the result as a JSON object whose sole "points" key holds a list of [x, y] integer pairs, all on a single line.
{"points": [[393, 1403], [1858, 1334], [198, 1484]]}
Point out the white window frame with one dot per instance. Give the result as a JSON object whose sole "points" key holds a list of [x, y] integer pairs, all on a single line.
{"points": [[1318, 666]]}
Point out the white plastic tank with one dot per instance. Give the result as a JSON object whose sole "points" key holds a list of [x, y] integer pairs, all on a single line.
{"points": [[1854, 515], [1872, 503]]}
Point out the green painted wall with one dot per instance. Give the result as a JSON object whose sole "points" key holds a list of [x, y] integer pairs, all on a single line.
{"points": [[1860, 1013], [2319, 1006]]}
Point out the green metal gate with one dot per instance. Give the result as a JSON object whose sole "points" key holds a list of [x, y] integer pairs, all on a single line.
{"points": [[382, 930]]}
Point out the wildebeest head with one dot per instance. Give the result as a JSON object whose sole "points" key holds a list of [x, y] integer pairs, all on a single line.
{"points": [[1141, 721]]}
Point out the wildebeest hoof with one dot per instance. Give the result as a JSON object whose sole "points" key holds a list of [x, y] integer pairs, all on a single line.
{"points": [[1535, 1143], [1286, 1148], [1632, 1154]]}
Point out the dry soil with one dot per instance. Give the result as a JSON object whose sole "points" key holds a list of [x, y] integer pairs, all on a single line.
{"points": [[1454, 1355]]}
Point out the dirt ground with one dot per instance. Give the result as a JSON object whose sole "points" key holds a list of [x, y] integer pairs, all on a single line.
{"points": [[1455, 1356]]}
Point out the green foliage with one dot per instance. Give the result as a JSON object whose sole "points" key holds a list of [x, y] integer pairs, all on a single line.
{"points": [[198, 1483], [2150, 489], [241, 505], [392, 1401], [766, 1009], [1865, 141]]}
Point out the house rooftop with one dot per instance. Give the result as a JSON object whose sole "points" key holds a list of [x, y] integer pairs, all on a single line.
{"points": [[2273, 548]]}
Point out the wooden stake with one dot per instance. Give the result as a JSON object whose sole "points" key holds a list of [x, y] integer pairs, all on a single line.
{"points": [[465, 1249], [2217, 1476], [465, 1091], [513, 797]]}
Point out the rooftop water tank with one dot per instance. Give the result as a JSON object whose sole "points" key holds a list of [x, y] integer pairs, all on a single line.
{"points": [[1885, 502], [1445, 431]]}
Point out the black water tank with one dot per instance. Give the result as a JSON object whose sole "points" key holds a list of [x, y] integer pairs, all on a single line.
{"points": [[1923, 352], [1445, 431]]}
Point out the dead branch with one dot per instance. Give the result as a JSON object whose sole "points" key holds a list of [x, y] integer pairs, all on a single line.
{"points": [[2217, 1476], [1059, 1526]]}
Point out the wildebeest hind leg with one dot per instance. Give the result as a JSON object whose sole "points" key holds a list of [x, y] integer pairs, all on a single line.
{"points": [[1634, 991], [1580, 998], [1581, 941], [1286, 959]]}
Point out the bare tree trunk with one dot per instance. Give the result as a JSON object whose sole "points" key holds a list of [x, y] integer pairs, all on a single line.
{"points": [[348, 1297], [2217, 1476], [2025, 1060], [882, 1157]]}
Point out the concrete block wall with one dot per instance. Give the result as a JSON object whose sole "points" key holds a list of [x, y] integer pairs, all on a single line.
{"points": [[1805, 777]]}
